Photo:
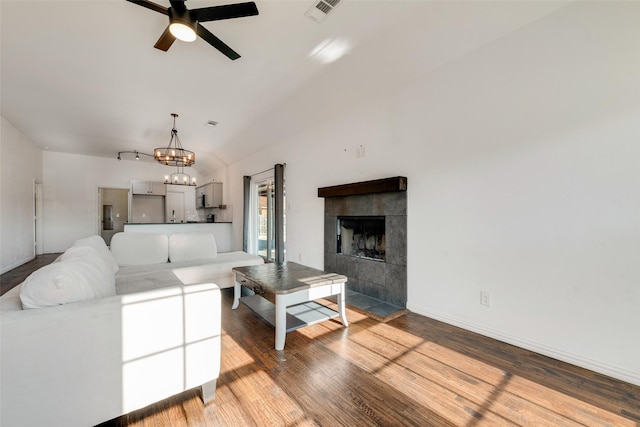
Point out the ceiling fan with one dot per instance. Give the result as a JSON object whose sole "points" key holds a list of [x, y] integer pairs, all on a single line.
{"points": [[184, 24]]}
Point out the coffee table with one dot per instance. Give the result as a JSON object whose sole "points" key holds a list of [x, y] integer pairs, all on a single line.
{"points": [[295, 288]]}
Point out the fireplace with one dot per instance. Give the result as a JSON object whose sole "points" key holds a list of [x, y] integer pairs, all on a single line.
{"points": [[361, 236], [365, 237]]}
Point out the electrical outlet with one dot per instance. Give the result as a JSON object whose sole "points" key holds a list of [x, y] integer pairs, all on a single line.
{"points": [[485, 298]]}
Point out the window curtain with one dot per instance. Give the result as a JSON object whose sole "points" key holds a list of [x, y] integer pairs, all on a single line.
{"points": [[251, 211], [279, 212], [246, 185], [250, 238]]}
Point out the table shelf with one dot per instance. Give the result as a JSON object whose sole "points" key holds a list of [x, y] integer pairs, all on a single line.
{"points": [[296, 288], [298, 316]]}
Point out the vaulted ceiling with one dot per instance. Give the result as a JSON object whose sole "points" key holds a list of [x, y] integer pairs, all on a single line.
{"points": [[83, 77]]}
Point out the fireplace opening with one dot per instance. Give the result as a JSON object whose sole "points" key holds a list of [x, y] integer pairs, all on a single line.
{"points": [[361, 236]]}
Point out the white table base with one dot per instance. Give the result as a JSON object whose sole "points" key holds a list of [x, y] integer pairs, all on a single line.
{"points": [[278, 318]]}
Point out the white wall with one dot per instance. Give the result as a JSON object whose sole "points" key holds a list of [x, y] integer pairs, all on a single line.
{"points": [[21, 162], [70, 191], [523, 166], [522, 159]]}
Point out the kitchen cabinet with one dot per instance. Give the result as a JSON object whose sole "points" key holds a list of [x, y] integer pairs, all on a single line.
{"points": [[209, 195], [149, 188]]}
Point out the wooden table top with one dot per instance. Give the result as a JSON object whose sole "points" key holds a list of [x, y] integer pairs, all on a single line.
{"points": [[288, 277]]}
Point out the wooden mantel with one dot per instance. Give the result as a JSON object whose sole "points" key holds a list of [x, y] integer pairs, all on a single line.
{"points": [[397, 183]]}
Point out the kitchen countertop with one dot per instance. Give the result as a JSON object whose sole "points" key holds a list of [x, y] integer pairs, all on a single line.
{"points": [[178, 223]]}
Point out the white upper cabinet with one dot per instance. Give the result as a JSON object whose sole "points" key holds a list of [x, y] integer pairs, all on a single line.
{"points": [[149, 188]]}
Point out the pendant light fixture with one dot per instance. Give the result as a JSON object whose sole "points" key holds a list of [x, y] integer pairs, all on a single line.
{"points": [[174, 154], [179, 177]]}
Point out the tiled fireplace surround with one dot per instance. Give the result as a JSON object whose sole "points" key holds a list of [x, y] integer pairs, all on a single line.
{"points": [[384, 281]]}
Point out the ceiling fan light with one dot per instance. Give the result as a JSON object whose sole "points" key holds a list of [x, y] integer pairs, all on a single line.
{"points": [[182, 31]]}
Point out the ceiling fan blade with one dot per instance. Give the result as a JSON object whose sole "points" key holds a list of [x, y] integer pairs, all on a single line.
{"points": [[165, 41], [227, 11], [151, 5], [216, 42]]}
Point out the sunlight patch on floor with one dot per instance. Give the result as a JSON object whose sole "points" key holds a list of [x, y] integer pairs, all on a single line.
{"points": [[461, 388], [281, 410], [240, 356], [320, 329]]}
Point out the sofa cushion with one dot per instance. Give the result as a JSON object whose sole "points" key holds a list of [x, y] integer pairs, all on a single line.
{"points": [[132, 248], [89, 257], [192, 246], [219, 271], [67, 281], [11, 300], [130, 283], [213, 271], [99, 245]]}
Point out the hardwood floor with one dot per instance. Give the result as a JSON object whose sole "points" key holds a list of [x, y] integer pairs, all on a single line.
{"points": [[409, 371], [16, 276]]}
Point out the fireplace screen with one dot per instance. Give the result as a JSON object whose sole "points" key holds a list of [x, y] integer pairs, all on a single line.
{"points": [[361, 236]]}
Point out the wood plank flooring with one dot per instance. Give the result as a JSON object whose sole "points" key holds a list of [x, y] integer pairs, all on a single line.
{"points": [[16, 276], [411, 371]]}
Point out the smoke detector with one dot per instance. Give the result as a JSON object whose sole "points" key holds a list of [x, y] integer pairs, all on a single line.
{"points": [[321, 9]]}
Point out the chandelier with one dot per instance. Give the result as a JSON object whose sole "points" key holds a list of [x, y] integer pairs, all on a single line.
{"points": [[179, 177], [174, 154]]}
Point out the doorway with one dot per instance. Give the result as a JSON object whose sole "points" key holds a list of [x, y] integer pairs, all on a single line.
{"points": [[113, 213], [266, 236], [264, 216]]}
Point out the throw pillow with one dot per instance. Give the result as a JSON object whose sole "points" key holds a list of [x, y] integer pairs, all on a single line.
{"points": [[63, 282]]}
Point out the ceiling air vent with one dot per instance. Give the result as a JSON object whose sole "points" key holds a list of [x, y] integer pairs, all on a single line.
{"points": [[321, 9]]}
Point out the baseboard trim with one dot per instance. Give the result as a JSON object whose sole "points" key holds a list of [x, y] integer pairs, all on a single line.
{"points": [[553, 352], [17, 264]]}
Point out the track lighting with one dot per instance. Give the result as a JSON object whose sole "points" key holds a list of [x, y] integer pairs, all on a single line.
{"points": [[136, 152]]}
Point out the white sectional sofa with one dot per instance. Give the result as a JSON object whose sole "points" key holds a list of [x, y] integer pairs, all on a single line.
{"points": [[100, 333]]}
